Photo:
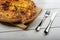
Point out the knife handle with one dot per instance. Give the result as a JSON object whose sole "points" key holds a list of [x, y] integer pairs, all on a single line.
{"points": [[48, 28]]}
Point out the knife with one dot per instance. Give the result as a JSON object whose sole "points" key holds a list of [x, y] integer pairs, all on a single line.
{"points": [[50, 23]]}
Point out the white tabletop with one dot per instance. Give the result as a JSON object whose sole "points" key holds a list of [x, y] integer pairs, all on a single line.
{"points": [[14, 33]]}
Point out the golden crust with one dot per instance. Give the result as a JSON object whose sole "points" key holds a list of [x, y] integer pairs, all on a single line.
{"points": [[30, 18], [27, 8], [9, 15]]}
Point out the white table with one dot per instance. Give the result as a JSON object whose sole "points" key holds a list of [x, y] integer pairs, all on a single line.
{"points": [[13, 33]]}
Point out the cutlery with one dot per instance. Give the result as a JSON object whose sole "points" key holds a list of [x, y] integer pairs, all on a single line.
{"points": [[50, 23], [45, 16]]}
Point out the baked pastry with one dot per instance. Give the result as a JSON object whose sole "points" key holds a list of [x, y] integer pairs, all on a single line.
{"points": [[27, 9], [23, 11], [8, 12]]}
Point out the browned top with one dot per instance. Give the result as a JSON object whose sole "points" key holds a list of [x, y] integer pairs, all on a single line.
{"points": [[9, 12]]}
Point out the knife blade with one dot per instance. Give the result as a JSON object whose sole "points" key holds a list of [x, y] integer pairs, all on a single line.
{"points": [[50, 23]]}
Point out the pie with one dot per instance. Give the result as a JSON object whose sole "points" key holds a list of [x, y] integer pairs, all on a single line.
{"points": [[23, 11]]}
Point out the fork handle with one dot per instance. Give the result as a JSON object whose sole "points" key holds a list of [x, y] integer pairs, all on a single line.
{"points": [[38, 27]]}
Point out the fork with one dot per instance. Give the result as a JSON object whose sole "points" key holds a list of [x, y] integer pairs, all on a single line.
{"points": [[45, 16]]}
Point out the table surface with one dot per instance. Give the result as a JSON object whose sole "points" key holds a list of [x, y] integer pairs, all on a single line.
{"points": [[14, 33]]}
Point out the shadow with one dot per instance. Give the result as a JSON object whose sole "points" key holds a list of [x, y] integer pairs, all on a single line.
{"points": [[7, 24], [13, 25]]}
